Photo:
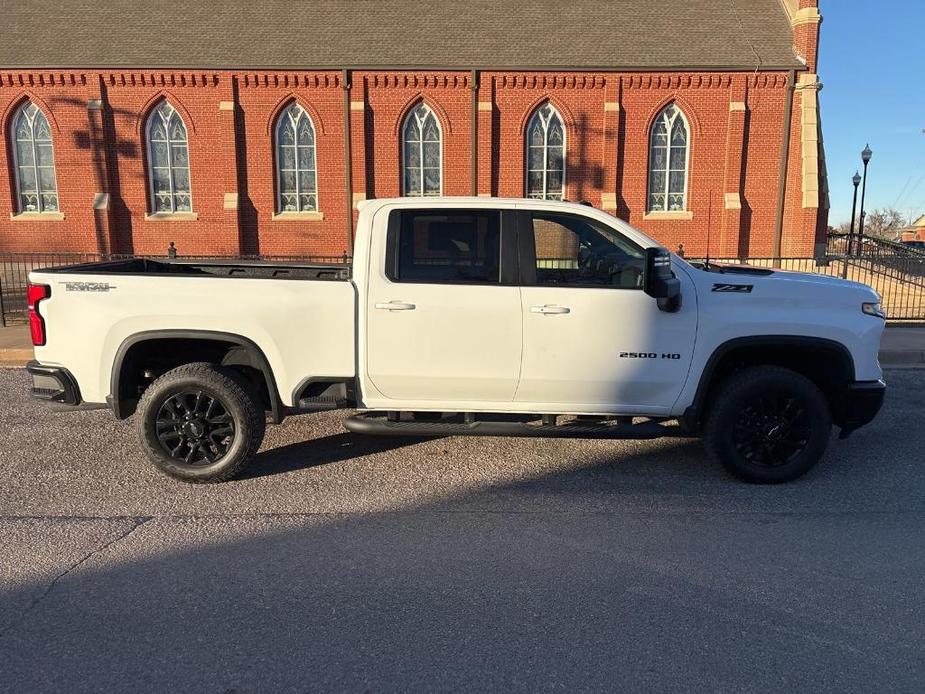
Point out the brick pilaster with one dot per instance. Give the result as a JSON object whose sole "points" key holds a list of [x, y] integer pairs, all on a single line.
{"points": [[227, 109], [486, 134], [609, 141], [358, 103], [806, 21], [731, 221], [99, 158]]}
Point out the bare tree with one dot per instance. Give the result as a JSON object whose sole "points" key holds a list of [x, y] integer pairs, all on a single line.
{"points": [[885, 223]]}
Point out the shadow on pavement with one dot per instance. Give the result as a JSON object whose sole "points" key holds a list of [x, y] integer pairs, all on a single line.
{"points": [[449, 596], [323, 451], [649, 572]]}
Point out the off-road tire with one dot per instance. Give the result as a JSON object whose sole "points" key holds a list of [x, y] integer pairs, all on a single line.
{"points": [[236, 397], [743, 438]]}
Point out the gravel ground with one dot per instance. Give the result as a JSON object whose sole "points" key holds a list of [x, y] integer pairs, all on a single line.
{"points": [[353, 564]]}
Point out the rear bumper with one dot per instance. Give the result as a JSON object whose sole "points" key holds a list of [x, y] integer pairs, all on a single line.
{"points": [[53, 384], [864, 400]]}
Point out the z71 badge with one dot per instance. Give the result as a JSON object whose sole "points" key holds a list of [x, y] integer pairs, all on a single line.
{"points": [[87, 286], [743, 288]]}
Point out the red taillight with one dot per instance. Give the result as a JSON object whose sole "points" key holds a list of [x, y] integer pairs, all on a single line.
{"points": [[35, 294]]}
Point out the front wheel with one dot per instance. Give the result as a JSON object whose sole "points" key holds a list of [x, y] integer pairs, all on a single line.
{"points": [[199, 423], [768, 425]]}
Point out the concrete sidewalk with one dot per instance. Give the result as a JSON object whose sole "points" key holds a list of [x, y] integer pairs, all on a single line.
{"points": [[15, 345], [901, 346]]}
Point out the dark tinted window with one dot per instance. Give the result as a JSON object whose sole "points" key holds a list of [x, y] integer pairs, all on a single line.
{"points": [[446, 246], [577, 251]]}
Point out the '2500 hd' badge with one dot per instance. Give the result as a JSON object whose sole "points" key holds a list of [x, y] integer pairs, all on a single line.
{"points": [[87, 286], [649, 355]]}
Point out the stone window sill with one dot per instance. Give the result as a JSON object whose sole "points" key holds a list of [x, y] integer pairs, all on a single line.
{"points": [[298, 217], [37, 216], [172, 217], [676, 215]]}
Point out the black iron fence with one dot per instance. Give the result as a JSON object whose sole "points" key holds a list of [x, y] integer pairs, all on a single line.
{"points": [[15, 269], [880, 255], [896, 271]]}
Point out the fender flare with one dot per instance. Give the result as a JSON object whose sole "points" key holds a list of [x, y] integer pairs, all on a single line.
{"points": [[260, 359], [693, 414]]}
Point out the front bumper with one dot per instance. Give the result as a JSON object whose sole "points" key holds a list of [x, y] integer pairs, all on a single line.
{"points": [[53, 384], [863, 402]]}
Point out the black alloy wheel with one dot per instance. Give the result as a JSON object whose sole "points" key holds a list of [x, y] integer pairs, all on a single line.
{"points": [[772, 430], [195, 427], [768, 424], [201, 422]]}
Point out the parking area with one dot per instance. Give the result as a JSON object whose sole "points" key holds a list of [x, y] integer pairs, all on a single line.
{"points": [[351, 564]]}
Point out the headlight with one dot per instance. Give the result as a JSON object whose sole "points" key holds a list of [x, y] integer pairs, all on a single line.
{"points": [[873, 308]]}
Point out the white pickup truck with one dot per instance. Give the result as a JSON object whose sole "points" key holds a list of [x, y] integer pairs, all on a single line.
{"points": [[465, 316]]}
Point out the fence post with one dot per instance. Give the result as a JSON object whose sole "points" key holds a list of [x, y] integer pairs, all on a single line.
{"points": [[2, 307]]}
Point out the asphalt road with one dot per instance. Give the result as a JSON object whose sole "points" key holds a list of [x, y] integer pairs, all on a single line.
{"points": [[351, 564]]}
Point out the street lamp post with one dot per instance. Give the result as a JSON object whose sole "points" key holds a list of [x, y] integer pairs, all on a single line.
{"points": [[856, 180], [865, 157]]}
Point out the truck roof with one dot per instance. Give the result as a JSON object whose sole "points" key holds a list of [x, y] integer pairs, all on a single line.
{"points": [[370, 207], [468, 200]]}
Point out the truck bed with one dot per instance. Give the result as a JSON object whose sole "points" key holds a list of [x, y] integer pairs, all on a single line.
{"points": [[242, 269], [302, 317]]}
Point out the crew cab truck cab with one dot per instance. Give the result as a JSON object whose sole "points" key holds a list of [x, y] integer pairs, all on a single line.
{"points": [[465, 316]]}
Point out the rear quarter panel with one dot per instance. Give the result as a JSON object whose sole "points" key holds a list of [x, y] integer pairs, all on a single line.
{"points": [[304, 328]]}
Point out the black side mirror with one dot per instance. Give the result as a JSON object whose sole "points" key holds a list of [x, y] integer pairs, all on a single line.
{"points": [[660, 282]]}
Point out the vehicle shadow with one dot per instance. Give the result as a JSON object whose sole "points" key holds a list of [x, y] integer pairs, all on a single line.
{"points": [[508, 567], [334, 448], [547, 583]]}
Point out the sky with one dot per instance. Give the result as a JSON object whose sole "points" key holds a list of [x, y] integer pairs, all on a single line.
{"points": [[872, 67]]}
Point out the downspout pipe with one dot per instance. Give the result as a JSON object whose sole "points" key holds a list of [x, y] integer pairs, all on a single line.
{"points": [[784, 163], [348, 160]]}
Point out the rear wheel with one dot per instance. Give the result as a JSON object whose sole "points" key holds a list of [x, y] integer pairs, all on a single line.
{"points": [[768, 424], [200, 423]]}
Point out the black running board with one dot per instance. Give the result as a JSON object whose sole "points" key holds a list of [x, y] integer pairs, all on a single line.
{"points": [[378, 424]]}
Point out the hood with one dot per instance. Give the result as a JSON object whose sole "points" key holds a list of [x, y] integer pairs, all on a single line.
{"points": [[771, 277]]}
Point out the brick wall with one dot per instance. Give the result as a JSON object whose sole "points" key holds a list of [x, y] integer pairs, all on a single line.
{"points": [[735, 123]]}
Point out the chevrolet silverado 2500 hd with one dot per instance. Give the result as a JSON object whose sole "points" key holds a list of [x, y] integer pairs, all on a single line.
{"points": [[465, 316]]}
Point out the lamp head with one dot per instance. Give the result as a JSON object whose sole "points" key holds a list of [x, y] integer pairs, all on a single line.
{"points": [[866, 154]]}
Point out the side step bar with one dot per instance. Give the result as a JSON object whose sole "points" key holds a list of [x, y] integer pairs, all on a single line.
{"points": [[321, 404], [376, 423]]}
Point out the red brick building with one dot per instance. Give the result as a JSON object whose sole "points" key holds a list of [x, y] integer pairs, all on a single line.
{"points": [[237, 129]]}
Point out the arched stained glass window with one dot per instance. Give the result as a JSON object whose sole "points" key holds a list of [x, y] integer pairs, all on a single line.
{"points": [[668, 159], [296, 171], [546, 154], [422, 153], [34, 157], [168, 161]]}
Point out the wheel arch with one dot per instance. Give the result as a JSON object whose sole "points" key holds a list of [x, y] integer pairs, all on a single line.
{"points": [[827, 363], [231, 349]]}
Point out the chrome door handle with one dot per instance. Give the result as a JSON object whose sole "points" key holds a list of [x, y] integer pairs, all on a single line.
{"points": [[550, 309], [395, 306]]}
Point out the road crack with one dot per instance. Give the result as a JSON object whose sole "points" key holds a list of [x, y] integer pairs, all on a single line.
{"points": [[137, 522]]}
